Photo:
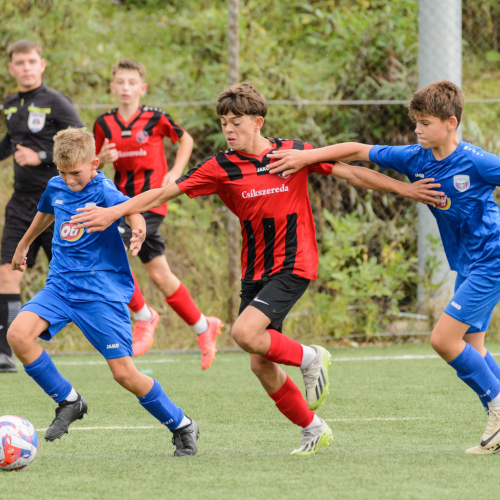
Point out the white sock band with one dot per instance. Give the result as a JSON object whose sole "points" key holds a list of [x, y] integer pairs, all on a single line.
{"points": [[72, 396], [185, 421], [316, 421], [495, 402], [308, 356], [144, 314], [201, 326]]}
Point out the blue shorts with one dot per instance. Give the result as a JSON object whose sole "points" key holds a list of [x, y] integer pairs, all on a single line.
{"points": [[106, 325], [475, 298]]}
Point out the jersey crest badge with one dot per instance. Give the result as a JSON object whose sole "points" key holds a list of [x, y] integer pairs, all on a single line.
{"points": [[142, 137], [461, 182], [36, 121], [71, 231], [444, 203]]}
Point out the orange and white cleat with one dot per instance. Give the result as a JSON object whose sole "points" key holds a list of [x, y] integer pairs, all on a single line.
{"points": [[206, 341], [144, 333]]}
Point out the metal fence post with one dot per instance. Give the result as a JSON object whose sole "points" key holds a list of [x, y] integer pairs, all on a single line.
{"points": [[233, 226], [439, 58]]}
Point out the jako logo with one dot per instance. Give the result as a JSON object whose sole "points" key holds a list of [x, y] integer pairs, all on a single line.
{"points": [[455, 305], [264, 192], [420, 176], [70, 231], [112, 346]]}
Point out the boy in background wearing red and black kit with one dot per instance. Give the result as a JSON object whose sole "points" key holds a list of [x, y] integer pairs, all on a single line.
{"points": [[279, 255], [131, 137]]}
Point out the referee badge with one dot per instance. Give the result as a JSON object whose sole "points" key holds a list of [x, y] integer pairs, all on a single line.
{"points": [[36, 121]]}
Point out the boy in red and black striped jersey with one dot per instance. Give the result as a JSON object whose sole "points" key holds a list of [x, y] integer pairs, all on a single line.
{"points": [[279, 255], [131, 137]]}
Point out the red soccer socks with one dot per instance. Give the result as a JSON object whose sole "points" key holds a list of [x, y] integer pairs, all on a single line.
{"points": [[284, 350], [291, 403], [137, 301], [182, 303]]}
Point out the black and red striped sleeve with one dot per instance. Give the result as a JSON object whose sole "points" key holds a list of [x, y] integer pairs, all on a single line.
{"points": [[101, 132], [201, 180], [169, 128]]}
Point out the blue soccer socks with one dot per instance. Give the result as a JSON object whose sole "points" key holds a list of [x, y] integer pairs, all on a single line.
{"points": [[472, 368], [493, 365], [44, 372], [161, 407]]}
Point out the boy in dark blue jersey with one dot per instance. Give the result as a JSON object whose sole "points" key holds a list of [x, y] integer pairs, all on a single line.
{"points": [[469, 223], [89, 283]]}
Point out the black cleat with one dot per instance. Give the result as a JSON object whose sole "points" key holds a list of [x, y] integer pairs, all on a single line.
{"points": [[7, 363], [184, 440], [66, 414]]}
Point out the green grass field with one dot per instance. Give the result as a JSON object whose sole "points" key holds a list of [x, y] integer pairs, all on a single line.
{"points": [[400, 425]]}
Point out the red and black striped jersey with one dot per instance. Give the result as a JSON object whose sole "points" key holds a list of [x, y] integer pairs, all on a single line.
{"points": [[141, 164], [275, 213]]}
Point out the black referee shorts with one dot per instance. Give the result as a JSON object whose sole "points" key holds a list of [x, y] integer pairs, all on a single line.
{"points": [[273, 296], [153, 244], [19, 214]]}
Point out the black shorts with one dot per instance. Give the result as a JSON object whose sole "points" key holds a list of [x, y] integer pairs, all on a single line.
{"points": [[153, 244], [273, 296], [19, 214]]}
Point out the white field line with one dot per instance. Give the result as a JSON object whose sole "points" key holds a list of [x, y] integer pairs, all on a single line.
{"points": [[388, 419]]}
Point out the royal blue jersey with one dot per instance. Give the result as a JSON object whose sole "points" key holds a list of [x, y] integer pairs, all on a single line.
{"points": [[468, 217], [86, 266]]}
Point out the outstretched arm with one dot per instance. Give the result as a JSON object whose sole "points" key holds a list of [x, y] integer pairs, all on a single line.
{"points": [[423, 191], [99, 218], [40, 223], [138, 226], [292, 160]]}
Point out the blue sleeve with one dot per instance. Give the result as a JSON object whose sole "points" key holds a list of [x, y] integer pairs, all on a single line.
{"points": [[112, 196], [45, 203], [488, 166], [393, 157]]}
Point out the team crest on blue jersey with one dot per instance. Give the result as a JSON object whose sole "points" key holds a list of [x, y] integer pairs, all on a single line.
{"points": [[36, 121], [461, 182]]}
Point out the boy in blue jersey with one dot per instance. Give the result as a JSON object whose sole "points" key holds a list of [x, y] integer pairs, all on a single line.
{"points": [[469, 223], [89, 283]]}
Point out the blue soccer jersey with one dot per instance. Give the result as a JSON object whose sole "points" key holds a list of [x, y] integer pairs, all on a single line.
{"points": [[468, 216], [86, 266]]}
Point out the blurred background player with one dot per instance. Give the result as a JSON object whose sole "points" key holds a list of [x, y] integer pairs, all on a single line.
{"points": [[34, 115], [89, 283], [131, 137]]}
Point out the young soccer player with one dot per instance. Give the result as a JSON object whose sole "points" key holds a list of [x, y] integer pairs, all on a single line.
{"points": [[469, 224], [279, 255], [131, 137], [89, 283]]}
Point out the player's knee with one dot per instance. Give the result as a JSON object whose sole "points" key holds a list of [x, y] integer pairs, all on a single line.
{"points": [[17, 336], [242, 335], [123, 378], [258, 365], [438, 342]]}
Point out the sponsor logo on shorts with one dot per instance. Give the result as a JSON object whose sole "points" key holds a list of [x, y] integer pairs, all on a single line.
{"points": [[420, 176], [59, 202], [264, 192], [258, 300], [444, 203], [71, 231], [112, 346], [455, 305]]}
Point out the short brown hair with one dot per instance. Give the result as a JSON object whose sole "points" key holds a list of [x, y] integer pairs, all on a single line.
{"points": [[23, 46], [129, 64], [442, 99], [73, 146], [241, 99]]}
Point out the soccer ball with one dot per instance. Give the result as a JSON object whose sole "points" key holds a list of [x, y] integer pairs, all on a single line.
{"points": [[18, 443]]}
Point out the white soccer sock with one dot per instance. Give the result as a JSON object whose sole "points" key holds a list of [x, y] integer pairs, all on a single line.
{"points": [[308, 356], [73, 396], [185, 421], [144, 314], [495, 402], [316, 421], [201, 326]]}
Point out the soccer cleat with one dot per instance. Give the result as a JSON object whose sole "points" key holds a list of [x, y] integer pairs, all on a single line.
{"points": [[66, 414], [7, 363], [144, 334], [316, 378], [313, 439], [491, 436], [477, 450], [184, 440], [206, 341]]}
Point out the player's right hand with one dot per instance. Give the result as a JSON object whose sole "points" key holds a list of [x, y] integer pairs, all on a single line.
{"points": [[288, 161], [20, 259], [108, 153], [95, 218]]}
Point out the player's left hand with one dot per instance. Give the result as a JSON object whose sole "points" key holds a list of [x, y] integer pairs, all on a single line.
{"points": [[26, 156], [95, 218], [424, 191], [169, 178], [288, 161], [138, 236]]}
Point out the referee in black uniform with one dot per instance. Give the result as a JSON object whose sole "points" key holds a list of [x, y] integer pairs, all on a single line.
{"points": [[33, 116]]}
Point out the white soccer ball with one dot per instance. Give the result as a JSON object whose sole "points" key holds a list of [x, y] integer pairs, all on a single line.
{"points": [[18, 443]]}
